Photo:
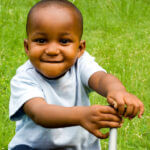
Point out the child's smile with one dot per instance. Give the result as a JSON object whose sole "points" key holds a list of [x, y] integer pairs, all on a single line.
{"points": [[53, 43]]}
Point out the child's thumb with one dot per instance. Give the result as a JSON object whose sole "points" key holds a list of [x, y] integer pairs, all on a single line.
{"points": [[112, 102], [101, 135]]}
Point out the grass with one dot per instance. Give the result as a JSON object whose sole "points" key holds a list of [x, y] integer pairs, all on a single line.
{"points": [[117, 33]]}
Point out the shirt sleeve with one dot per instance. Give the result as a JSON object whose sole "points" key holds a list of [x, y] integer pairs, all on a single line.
{"points": [[23, 88], [88, 66]]}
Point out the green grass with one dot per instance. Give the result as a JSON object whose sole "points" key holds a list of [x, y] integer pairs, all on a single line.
{"points": [[117, 33]]}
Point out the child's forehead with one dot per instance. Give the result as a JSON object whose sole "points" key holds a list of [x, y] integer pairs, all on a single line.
{"points": [[56, 11], [53, 15]]}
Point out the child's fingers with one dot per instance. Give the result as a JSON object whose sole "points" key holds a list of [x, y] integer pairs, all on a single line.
{"points": [[119, 105], [121, 108], [110, 124], [133, 108], [100, 135], [107, 110], [141, 110], [135, 112], [112, 102], [111, 117], [129, 111], [127, 104]]}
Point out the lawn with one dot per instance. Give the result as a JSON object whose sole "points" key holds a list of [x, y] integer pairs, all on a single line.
{"points": [[117, 33]]}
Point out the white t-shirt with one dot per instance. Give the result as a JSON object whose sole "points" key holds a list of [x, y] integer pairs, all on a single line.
{"points": [[69, 90]]}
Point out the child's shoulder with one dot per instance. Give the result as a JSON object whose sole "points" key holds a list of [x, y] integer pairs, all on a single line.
{"points": [[86, 55], [24, 72], [86, 58], [26, 66]]}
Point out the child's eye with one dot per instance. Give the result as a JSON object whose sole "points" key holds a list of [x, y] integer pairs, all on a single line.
{"points": [[40, 41], [64, 41]]}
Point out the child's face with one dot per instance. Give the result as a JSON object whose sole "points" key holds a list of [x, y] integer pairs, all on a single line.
{"points": [[53, 43]]}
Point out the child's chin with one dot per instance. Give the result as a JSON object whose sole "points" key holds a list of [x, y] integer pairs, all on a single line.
{"points": [[52, 76]]}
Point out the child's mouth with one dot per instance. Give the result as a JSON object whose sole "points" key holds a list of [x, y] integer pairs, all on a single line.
{"points": [[52, 61]]}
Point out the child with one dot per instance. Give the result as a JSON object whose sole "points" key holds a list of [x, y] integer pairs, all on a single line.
{"points": [[49, 93]]}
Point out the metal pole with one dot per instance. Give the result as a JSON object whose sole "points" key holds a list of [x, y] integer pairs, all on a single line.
{"points": [[113, 139]]}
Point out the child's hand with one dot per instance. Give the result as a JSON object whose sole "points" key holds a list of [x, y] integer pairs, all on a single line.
{"points": [[95, 117], [127, 104]]}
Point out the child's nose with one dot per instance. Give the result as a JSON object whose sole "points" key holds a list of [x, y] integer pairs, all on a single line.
{"points": [[52, 49]]}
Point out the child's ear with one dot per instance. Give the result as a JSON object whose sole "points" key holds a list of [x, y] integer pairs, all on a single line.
{"points": [[26, 46], [81, 48]]}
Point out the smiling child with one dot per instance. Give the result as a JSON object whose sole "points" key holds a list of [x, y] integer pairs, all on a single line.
{"points": [[49, 93]]}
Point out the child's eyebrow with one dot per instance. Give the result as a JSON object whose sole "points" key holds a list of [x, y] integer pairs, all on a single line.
{"points": [[39, 33], [65, 33], [44, 34]]}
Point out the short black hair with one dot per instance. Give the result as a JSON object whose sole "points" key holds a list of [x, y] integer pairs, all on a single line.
{"points": [[63, 3]]}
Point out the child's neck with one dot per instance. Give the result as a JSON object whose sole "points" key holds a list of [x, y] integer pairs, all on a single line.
{"points": [[51, 78]]}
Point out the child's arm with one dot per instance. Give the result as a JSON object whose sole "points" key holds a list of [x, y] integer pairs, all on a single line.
{"points": [[92, 118], [109, 86]]}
